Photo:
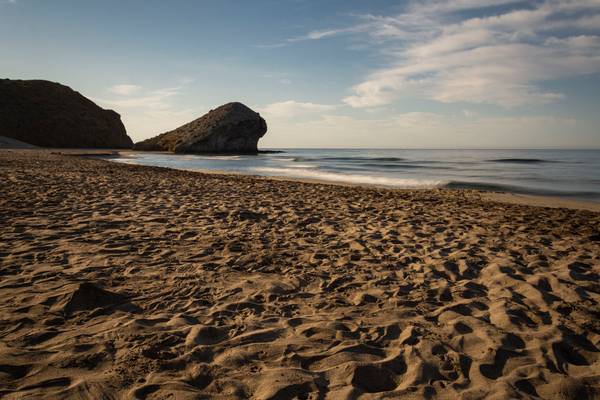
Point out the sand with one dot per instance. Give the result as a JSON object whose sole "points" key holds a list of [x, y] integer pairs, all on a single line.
{"points": [[121, 281], [542, 201]]}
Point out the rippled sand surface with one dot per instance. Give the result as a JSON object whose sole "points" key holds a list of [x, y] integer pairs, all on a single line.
{"points": [[121, 281]]}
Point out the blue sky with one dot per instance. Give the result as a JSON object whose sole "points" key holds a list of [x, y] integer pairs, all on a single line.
{"points": [[328, 73]]}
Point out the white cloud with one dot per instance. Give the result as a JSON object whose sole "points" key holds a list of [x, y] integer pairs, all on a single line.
{"points": [[500, 58], [321, 34], [151, 100], [149, 112], [291, 108], [457, 5], [583, 42], [592, 22], [316, 35], [124, 89]]}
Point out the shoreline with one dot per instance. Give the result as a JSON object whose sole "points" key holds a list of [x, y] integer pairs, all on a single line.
{"points": [[502, 197], [498, 196]]}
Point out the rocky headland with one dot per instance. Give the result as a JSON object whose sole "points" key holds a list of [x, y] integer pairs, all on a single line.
{"points": [[48, 114], [230, 128]]}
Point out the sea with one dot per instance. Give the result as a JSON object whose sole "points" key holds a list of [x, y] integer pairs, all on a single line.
{"points": [[562, 173]]}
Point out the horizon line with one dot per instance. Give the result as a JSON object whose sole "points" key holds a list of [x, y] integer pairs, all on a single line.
{"points": [[432, 148]]}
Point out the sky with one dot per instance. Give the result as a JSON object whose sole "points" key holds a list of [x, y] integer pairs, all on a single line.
{"points": [[327, 73]]}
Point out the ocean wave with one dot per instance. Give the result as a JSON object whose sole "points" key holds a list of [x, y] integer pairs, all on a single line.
{"points": [[350, 159], [520, 160], [300, 166], [383, 159], [126, 160], [493, 187], [498, 187], [349, 178], [284, 159], [220, 158], [385, 165]]}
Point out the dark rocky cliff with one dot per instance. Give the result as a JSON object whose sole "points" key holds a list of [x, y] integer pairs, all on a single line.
{"points": [[49, 114]]}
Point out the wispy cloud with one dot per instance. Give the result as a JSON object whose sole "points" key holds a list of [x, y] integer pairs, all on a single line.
{"points": [[149, 112], [292, 108], [158, 99], [502, 57], [317, 35], [436, 6], [153, 100], [322, 34], [499, 59], [282, 78], [124, 89]]}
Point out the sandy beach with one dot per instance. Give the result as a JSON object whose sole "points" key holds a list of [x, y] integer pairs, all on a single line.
{"points": [[121, 281]]}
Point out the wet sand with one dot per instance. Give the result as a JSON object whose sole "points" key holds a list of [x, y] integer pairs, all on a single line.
{"points": [[120, 281]]}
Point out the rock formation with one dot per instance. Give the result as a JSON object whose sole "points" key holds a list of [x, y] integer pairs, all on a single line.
{"points": [[49, 114], [231, 128]]}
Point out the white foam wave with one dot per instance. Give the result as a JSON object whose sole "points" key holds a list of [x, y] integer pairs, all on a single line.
{"points": [[223, 158], [299, 166], [349, 178], [123, 160]]}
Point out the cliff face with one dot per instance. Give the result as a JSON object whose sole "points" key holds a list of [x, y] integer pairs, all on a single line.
{"points": [[231, 128], [49, 114]]}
